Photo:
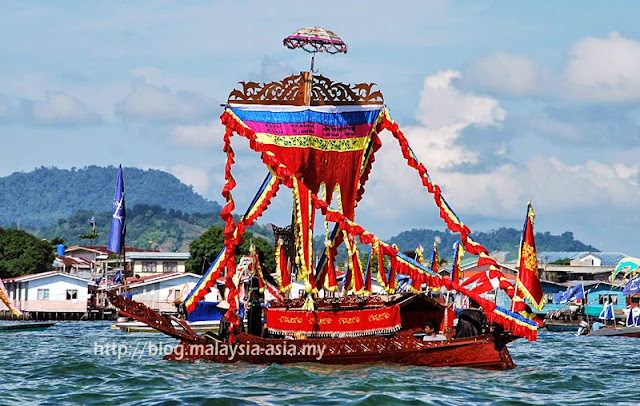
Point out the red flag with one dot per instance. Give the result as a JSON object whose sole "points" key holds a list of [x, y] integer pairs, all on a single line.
{"points": [[487, 281], [282, 271], [528, 282], [434, 258]]}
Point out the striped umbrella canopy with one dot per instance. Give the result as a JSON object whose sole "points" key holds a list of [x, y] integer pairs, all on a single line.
{"points": [[315, 39]]}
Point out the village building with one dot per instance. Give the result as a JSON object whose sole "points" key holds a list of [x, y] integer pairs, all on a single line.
{"points": [[153, 263], [78, 266], [162, 291], [560, 266], [49, 296]]}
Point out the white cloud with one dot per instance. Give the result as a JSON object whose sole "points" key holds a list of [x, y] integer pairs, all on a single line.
{"points": [[207, 135], [197, 177], [444, 112], [604, 69], [58, 108], [507, 74], [443, 105], [597, 70], [193, 175], [500, 192], [152, 103]]}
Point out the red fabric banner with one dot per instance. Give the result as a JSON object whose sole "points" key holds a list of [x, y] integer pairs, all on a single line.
{"points": [[348, 323], [282, 270], [528, 278]]}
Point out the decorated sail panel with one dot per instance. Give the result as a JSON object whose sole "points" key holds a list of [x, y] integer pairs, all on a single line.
{"points": [[319, 144]]}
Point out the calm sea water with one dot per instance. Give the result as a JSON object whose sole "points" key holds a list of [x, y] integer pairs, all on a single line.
{"points": [[60, 366]]}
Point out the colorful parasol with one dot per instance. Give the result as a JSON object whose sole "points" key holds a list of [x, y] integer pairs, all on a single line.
{"points": [[315, 39]]}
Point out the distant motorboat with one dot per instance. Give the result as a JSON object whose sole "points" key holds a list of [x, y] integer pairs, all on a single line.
{"points": [[19, 327], [560, 326], [616, 332]]}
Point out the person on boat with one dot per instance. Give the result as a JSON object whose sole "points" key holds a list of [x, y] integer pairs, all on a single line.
{"points": [[583, 328], [471, 321], [255, 300], [265, 329], [225, 326], [254, 306], [430, 332], [597, 326]]}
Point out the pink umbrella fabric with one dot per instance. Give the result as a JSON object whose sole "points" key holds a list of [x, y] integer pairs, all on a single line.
{"points": [[315, 39]]}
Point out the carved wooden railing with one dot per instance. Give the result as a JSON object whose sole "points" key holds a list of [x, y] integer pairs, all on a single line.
{"points": [[294, 90], [346, 302]]}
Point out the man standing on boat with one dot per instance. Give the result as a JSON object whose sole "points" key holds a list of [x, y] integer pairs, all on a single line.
{"points": [[254, 305], [471, 321]]}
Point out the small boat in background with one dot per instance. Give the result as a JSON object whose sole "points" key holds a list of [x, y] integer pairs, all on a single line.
{"points": [[617, 332], [560, 326], [139, 327], [19, 327]]}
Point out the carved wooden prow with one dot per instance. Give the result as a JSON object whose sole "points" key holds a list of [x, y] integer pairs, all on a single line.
{"points": [[140, 312]]}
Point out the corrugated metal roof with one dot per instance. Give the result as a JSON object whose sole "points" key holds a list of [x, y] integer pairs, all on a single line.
{"points": [[159, 255], [102, 249], [146, 280], [607, 258], [34, 276]]}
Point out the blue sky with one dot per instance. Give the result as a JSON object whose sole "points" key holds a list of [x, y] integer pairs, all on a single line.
{"points": [[503, 101]]}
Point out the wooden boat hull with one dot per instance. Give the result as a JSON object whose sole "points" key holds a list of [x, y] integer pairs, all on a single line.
{"points": [[16, 328], [617, 332], [487, 351]]}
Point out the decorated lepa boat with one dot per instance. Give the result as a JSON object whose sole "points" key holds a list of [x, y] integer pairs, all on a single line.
{"points": [[319, 138]]}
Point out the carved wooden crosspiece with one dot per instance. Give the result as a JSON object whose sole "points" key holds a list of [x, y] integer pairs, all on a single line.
{"points": [[140, 312], [290, 91]]}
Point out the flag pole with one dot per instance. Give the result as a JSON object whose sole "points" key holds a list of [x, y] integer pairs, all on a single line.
{"points": [[124, 267], [515, 291]]}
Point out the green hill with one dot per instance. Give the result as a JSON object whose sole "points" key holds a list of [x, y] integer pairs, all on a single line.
{"points": [[502, 239], [151, 227], [167, 214], [41, 197]]}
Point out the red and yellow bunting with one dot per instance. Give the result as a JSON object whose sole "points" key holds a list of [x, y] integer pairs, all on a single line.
{"points": [[352, 229]]}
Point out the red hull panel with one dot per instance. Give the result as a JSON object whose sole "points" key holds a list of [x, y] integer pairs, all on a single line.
{"points": [[482, 352]]}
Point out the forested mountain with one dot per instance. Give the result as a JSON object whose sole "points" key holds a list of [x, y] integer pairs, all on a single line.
{"points": [[172, 230], [151, 227], [41, 197], [502, 239], [166, 214]]}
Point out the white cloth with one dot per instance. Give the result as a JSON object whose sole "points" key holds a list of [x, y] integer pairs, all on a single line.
{"points": [[437, 337]]}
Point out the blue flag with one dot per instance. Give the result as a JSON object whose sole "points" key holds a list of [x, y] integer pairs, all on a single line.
{"points": [[632, 287], [118, 226], [93, 220], [118, 277], [570, 295], [630, 318], [607, 313]]}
